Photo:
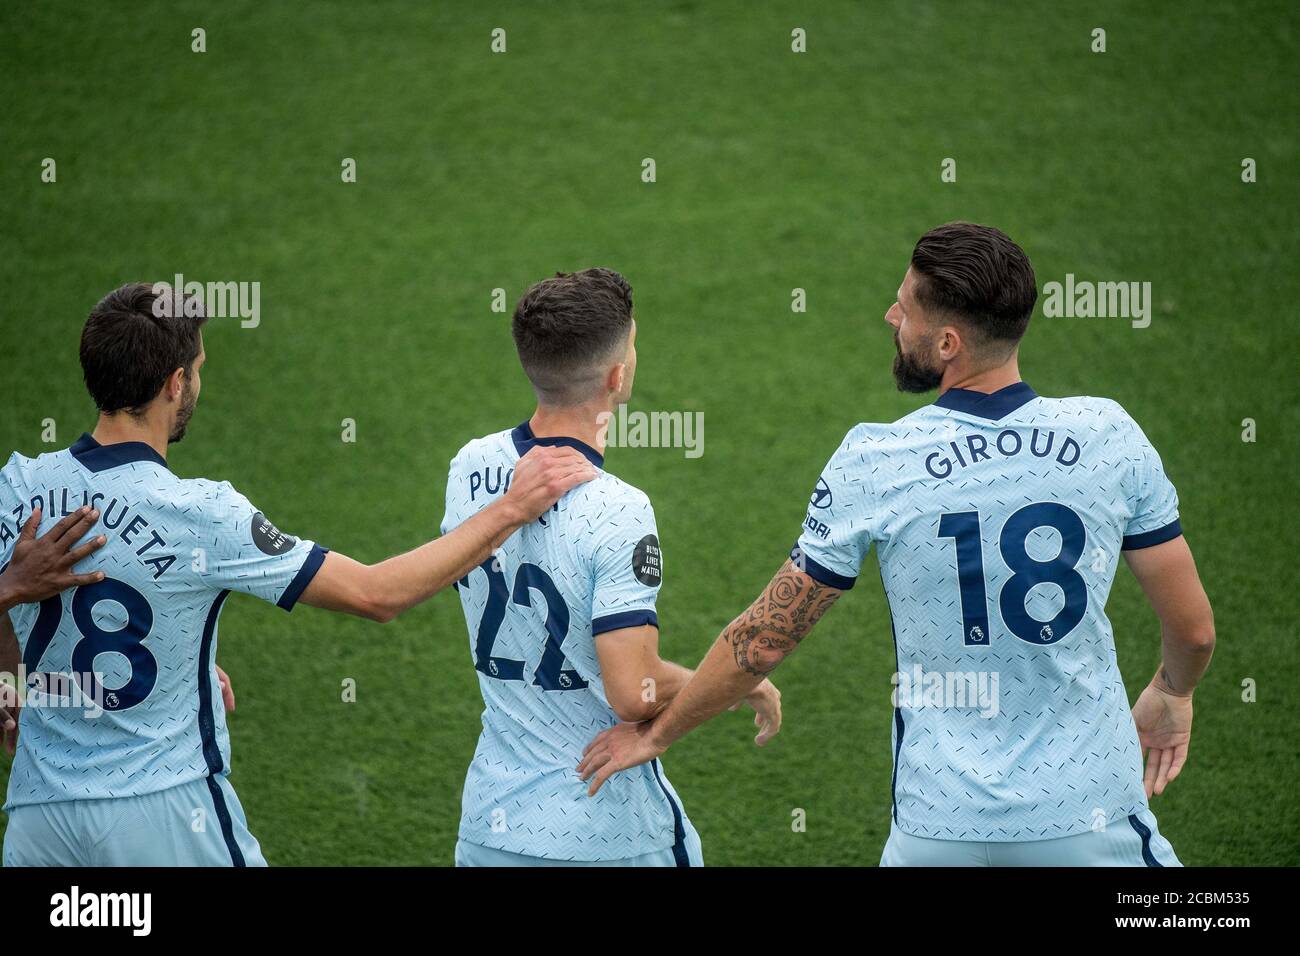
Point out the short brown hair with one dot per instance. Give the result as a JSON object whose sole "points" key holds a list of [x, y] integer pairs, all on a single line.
{"points": [[567, 327], [979, 275], [129, 346]]}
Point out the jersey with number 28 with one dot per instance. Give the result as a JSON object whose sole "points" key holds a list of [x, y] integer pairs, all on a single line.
{"points": [[998, 522], [123, 695]]}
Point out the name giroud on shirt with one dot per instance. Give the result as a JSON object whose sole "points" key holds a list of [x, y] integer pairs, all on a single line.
{"points": [[941, 464], [1008, 444]]}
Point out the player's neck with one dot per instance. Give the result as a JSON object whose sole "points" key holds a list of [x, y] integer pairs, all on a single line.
{"points": [[115, 429], [988, 380], [583, 422]]}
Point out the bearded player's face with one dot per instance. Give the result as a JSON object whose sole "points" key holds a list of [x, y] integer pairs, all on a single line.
{"points": [[916, 366], [189, 398]]}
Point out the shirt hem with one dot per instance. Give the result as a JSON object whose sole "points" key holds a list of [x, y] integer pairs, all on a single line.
{"points": [[510, 847], [1023, 835]]}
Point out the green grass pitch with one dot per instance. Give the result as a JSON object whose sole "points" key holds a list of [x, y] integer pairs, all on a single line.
{"points": [[775, 171]]}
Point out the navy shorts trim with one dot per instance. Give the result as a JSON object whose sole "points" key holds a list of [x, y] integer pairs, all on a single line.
{"points": [[1144, 832], [227, 824], [679, 830]]}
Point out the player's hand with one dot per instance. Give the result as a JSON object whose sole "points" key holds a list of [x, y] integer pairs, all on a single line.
{"points": [[227, 695], [615, 749], [1164, 727], [766, 701], [10, 703], [42, 567], [543, 476]]}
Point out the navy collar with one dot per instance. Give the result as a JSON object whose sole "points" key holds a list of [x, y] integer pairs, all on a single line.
{"points": [[992, 406], [525, 439], [99, 457]]}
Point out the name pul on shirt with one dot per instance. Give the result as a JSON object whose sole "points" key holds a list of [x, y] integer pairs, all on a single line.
{"points": [[492, 480], [112, 518], [1008, 444]]}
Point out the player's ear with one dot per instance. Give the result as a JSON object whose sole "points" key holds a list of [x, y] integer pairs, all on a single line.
{"points": [[614, 380], [175, 386], [950, 343]]}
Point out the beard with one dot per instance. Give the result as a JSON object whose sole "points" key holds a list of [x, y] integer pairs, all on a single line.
{"points": [[912, 373], [188, 401]]}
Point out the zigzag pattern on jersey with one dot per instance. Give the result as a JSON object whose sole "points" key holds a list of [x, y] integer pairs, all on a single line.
{"points": [[521, 792], [1060, 755], [65, 754]]}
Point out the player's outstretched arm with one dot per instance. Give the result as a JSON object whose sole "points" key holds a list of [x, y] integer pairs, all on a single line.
{"points": [[42, 567], [639, 684], [749, 649], [1163, 712], [382, 591]]}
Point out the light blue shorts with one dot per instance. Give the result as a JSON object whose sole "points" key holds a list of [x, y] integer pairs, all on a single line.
{"points": [[199, 823], [1129, 841], [687, 852]]}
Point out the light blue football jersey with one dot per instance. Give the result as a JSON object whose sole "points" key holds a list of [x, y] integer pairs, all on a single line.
{"points": [[998, 522], [590, 565], [124, 696]]}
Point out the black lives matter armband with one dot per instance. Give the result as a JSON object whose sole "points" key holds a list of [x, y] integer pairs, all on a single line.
{"points": [[647, 561]]}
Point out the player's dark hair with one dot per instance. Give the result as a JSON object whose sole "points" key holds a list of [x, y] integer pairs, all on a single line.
{"points": [[133, 340], [979, 275], [567, 328]]}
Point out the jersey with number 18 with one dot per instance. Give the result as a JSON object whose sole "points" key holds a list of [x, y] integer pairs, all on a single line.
{"points": [[998, 521]]}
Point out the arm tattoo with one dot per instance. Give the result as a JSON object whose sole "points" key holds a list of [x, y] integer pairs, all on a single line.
{"points": [[774, 624]]}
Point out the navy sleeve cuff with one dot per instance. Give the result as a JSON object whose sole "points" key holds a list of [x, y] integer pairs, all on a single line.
{"points": [[1147, 539], [616, 622], [820, 573], [315, 558]]}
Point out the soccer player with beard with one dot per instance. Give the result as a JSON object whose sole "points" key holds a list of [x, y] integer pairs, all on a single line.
{"points": [[123, 745], [999, 517]]}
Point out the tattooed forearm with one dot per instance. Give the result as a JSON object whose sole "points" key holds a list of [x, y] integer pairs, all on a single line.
{"points": [[747, 650], [773, 625]]}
